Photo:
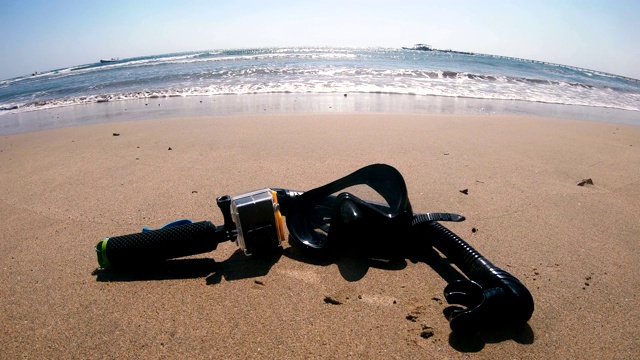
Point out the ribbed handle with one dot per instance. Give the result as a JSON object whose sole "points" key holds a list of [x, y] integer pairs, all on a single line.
{"points": [[156, 245]]}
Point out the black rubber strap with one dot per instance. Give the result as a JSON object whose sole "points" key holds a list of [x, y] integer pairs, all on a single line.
{"points": [[427, 217]]}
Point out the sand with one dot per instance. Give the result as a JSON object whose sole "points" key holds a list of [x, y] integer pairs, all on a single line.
{"points": [[575, 247]]}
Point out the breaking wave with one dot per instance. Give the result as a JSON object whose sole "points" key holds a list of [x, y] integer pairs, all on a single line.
{"points": [[318, 70]]}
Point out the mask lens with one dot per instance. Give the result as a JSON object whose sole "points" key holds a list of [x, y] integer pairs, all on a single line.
{"points": [[373, 196]]}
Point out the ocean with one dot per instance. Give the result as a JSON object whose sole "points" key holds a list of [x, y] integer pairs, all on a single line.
{"points": [[321, 70]]}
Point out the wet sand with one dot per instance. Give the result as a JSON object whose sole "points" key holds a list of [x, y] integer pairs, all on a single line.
{"points": [[574, 247], [284, 104]]}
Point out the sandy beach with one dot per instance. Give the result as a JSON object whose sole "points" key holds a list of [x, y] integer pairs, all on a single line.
{"points": [[574, 247]]}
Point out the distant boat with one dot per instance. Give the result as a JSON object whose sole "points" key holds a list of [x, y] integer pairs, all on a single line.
{"points": [[115, 59], [420, 47]]}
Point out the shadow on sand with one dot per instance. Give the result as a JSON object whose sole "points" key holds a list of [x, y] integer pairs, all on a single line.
{"points": [[352, 262]]}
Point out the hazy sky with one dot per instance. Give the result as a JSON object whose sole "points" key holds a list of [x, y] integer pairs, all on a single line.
{"points": [[39, 35]]}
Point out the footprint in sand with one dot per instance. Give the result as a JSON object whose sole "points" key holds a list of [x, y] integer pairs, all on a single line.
{"points": [[306, 276]]}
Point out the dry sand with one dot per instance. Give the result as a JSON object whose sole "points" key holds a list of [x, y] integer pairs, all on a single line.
{"points": [[576, 248]]}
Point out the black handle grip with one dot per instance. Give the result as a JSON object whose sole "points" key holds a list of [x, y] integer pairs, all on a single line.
{"points": [[152, 246]]}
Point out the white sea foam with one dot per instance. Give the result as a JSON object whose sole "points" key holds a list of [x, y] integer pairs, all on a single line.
{"points": [[579, 96]]}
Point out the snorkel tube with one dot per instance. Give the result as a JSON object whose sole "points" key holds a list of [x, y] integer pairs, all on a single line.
{"points": [[329, 217], [490, 298]]}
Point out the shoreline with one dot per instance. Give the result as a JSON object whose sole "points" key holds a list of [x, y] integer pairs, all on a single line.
{"points": [[269, 104]]}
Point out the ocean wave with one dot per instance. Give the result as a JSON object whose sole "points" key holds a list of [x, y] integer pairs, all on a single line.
{"points": [[201, 57], [317, 70], [323, 87]]}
